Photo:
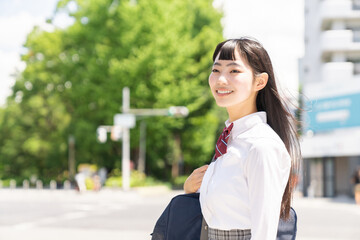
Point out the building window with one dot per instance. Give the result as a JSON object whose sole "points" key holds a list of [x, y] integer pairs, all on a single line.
{"points": [[356, 68], [356, 4], [356, 35]]}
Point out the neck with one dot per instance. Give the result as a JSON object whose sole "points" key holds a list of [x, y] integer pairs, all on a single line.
{"points": [[237, 112]]}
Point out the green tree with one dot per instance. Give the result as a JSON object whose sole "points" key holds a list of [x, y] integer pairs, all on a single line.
{"points": [[74, 78]]}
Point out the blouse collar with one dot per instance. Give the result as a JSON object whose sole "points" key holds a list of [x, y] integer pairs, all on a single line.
{"points": [[246, 122]]}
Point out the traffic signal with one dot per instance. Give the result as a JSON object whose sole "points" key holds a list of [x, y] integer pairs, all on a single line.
{"points": [[178, 111], [101, 134]]}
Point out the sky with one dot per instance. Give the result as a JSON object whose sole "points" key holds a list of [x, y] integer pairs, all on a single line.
{"points": [[277, 24], [17, 19]]}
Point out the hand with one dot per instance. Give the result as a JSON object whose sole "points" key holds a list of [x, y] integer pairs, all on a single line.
{"points": [[193, 182]]}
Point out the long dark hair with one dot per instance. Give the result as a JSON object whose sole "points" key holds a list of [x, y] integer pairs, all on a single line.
{"points": [[279, 116]]}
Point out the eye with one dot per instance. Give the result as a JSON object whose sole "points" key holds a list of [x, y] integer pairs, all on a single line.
{"points": [[235, 71], [214, 70]]}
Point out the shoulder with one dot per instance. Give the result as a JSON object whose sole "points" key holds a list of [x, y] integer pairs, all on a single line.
{"points": [[265, 146], [260, 140], [266, 156], [259, 134]]}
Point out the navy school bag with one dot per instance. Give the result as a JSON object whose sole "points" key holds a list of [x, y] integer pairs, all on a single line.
{"points": [[182, 220]]}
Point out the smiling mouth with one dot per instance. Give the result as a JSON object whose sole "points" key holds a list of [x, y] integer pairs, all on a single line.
{"points": [[223, 92]]}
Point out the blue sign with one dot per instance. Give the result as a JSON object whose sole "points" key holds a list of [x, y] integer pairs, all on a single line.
{"points": [[332, 113]]}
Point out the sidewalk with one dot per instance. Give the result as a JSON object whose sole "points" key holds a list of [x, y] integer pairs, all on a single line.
{"points": [[117, 215], [327, 218], [65, 214]]}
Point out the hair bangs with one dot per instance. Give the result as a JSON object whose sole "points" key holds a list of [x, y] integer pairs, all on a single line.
{"points": [[226, 51]]}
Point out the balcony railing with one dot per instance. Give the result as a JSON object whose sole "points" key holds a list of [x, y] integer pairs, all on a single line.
{"points": [[333, 71], [340, 40], [335, 9]]}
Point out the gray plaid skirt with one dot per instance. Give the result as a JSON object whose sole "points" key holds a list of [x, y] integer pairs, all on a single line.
{"points": [[234, 234]]}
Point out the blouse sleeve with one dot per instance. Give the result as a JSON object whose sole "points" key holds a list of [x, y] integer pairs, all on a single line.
{"points": [[267, 170]]}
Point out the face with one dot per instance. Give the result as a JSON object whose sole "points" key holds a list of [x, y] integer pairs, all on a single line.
{"points": [[232, 83]]}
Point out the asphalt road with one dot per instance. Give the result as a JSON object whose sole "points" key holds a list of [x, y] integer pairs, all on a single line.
{"points": [[118, 215]]}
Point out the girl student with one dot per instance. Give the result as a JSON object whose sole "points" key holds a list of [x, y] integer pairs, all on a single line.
{"points": [[248, 186]]}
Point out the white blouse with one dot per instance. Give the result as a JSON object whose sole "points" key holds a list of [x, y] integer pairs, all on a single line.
{"points": [[243, 188]]}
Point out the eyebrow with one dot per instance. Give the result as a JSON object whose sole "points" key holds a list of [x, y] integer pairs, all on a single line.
{"points": [[230, 64]]}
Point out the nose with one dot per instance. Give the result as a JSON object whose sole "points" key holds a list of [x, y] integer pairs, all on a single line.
{"points": [[221, 80]]}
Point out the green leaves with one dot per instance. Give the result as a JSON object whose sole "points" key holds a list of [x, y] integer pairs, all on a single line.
{"points": [[74, 78]]}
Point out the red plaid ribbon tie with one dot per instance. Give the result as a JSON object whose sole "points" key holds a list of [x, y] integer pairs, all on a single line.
{"points": [[221, 144]]}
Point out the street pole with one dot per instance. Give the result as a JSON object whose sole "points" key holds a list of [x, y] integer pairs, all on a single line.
{"points": [[126, 143], [127, 120]]}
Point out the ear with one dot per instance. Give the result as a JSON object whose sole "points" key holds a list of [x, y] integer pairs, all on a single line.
{"points": [[261, 81]]}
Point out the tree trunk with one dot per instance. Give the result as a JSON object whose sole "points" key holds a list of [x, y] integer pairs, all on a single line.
{"points": [[177, 164]]}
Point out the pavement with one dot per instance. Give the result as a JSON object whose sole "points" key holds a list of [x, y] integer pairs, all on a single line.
{"points": [[116, 215], [327, 218]]}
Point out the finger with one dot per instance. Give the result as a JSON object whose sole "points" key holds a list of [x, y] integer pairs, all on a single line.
{"points": [[199, 179], [202, 168], [199, 175], [197, 185]]}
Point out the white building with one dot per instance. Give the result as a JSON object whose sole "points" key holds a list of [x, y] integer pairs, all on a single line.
{"points": [[330, 77]]}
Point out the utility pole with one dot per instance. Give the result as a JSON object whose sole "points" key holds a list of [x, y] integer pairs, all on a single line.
{"points": [[126, 142], [121, 129]]}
